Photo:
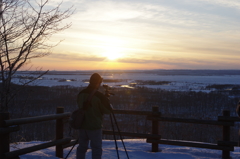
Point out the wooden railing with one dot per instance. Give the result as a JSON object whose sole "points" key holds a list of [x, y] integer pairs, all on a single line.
{"points": [[154, 135], [225, 144], [10, 125], [225, 121]]}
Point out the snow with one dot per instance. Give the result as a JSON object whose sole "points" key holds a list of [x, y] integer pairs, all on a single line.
{"points": [[136, 148], [177, 82]]}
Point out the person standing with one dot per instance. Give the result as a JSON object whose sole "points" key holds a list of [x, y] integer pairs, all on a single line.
{"points": [[91, 129]]}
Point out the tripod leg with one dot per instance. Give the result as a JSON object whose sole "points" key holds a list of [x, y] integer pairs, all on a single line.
{"points": [[114, 136], [120, 133], [71, 149]]}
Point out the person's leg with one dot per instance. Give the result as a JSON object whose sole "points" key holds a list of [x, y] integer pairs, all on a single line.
{"points": [[96, 143], [83, 141]]}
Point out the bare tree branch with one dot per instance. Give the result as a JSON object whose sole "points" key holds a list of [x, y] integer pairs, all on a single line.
{"points": [[25, 28]]}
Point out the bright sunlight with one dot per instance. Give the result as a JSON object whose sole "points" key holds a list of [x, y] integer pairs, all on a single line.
{"points": [[113, 53]]}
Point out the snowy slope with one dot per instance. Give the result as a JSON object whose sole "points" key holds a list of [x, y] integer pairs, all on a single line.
{"points": [[137, 149]]}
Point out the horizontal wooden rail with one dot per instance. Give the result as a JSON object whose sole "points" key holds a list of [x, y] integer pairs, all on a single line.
{"points": [[191, 144], [9, 129], [36, 148], [139, 135], [231, 119], [132, 112], [227, 143], [196, 121], [36, 119]]}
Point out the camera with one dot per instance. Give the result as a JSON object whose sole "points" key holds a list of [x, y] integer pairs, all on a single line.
{"points": [[107, 93], [105, 86]]}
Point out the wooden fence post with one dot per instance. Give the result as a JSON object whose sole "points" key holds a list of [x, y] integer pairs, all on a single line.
{"points": [[155, 128], [59, 133], [226, 135], [4, 138]]}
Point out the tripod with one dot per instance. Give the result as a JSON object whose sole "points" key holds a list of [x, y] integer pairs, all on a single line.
{"points": [[112, 116], [71, 149]]}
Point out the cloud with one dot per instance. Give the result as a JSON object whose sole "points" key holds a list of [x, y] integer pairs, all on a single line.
{"points": [[106, 11], [217, 51], [163, 60], [224, 3], [181, 62], [77, 57], [141, 14], [202, 28]]}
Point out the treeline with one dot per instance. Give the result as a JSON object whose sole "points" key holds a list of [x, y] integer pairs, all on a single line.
{"points": [[40, 100]]}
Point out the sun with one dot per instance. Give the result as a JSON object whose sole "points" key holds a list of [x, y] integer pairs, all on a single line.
{"points": [[113, 53]]}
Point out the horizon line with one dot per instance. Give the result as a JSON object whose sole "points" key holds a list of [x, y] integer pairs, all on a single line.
{"points": [[137, 70]]}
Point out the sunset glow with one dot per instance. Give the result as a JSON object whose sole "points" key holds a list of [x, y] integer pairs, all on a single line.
{"points": [[148, 35]]}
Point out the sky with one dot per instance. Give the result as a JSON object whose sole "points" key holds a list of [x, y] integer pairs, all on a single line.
{"points": [[147, 34]]}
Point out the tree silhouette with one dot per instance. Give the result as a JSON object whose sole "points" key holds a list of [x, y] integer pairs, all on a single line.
{"points": [[25, 29]]}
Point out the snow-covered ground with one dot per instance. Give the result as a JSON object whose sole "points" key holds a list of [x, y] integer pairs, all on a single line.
{"points": [[176, 82], [136, 148]]}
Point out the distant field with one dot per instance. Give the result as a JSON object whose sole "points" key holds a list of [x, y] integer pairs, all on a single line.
{"points": [[177, 80]]}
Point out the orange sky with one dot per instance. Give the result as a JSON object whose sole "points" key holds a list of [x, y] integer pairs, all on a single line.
{"points": [[141, 34]]}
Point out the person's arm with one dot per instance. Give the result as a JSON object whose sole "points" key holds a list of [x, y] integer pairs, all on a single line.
{"points": [[238, 109]]}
